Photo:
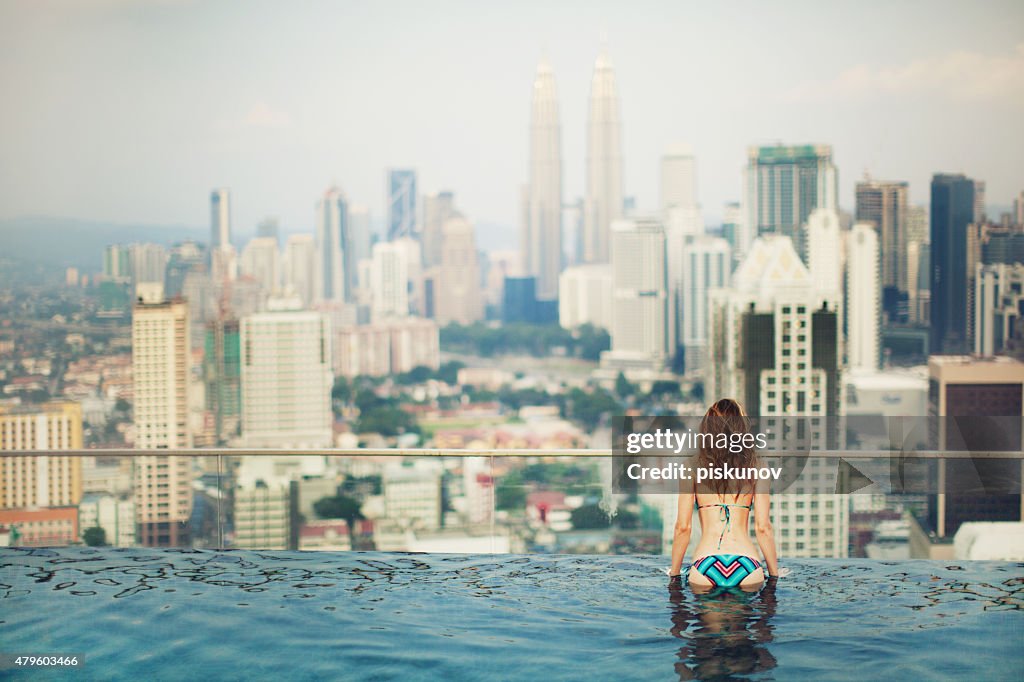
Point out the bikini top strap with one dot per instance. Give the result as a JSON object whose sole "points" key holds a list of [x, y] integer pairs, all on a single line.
{"points": [[724, 516]]}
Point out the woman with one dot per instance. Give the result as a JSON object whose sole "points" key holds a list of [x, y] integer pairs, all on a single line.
{"points": [[725, 556]]}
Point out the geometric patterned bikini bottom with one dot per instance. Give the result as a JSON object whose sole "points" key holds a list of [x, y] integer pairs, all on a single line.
{"points": [[726, 570]]}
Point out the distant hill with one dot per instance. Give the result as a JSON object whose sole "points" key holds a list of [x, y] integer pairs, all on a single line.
{"points": [[56, 243]]}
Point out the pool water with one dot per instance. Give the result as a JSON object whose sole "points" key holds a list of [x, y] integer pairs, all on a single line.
{"points": [[203, 614]]}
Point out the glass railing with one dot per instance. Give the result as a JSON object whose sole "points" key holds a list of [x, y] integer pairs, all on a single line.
{"points": [[841, 504]]}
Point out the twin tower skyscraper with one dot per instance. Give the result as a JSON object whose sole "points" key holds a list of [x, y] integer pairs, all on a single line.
{"points": [[542, 202]]}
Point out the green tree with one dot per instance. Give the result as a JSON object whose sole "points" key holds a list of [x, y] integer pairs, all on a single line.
{"points": [[342, 390], [665, 389], [623, 388], [589, 517], [340, 507], [449, 372], [588, 409], [95, 536], [627, 520], [591, 341], [417, 375]]}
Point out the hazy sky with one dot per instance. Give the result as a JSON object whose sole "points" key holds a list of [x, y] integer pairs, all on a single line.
{"points": [[132, 111]]}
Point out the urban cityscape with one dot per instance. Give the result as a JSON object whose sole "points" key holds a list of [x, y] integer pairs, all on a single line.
{"points": [[329, 304], [413, 337]]}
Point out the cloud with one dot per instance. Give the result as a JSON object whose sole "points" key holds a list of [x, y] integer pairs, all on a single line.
{"points": [[263, 116], [960, 75]]}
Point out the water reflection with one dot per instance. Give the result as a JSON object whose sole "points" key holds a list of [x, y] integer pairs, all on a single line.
{"points": [[725, 633]]}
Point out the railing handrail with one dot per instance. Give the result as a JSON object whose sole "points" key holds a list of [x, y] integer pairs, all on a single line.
{"points": [[487, 452]]}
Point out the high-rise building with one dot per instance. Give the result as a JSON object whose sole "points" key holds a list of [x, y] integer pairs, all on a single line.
{"points": [[115, 515], [585, 296], [299, 267], [261, 260], [605, 190], [678, 179], [1018, 209], [47, 480], [643, 325], [361, 230], [336, 269], [389, 281], [519, 302], [222, 374], [706, 265], [437, 208], [783, 185], [220, 218], [262, 516], [917, 271], [977, 391], [286, 379], [117, 263], [979, 201], [161, 371], [733, 228], [884, 204], [777, 346], [402, 200], [412, 493], [918, 278], [998, 302], [952, 210], [457, 291], [149, 263], [185, 258], [863, 298], [917, 225], [542, 229], [775, 336], [393, 346], [223, 265], [823, 256]]}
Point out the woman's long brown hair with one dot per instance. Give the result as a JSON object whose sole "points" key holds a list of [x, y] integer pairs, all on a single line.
{"points": [[725, 417]]}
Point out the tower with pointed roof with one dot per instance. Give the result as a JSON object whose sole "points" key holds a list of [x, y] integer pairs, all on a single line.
{"points": [[542, 212], [603, 203]]}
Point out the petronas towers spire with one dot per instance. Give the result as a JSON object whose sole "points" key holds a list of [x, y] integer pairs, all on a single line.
{"points": [[604, 193], [542, 236]]}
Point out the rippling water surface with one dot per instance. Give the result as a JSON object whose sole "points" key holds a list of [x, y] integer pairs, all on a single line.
{"points": [[201, 614]]}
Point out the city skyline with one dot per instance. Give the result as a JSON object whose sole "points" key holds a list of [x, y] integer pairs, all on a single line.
{"points": [[476, 142]]}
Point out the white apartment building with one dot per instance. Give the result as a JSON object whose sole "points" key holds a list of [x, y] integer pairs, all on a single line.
{"points": [[115, 515], [286, 379], [642, 318], [863, 298], [585, 296], [262, 517], [777, 345], [389, 347], [706, 265], [161, 373], [261, 260], [389, 281], [412, 494], [299, 267]]}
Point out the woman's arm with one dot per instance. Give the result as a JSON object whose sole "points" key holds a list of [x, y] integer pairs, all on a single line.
{"points": [[763, 528], [684, 520]]}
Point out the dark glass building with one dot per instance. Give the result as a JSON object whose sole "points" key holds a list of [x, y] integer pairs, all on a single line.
{"points": [[952, 210]]}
